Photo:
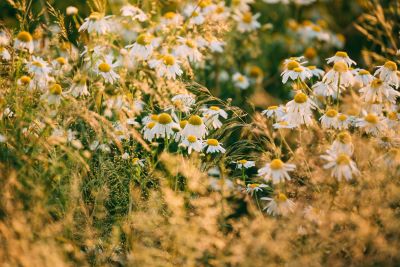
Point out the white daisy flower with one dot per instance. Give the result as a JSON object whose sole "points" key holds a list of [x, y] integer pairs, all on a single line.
{"points": [[388, 73], [4, 54], [344, 121], [363, 77], [26, 82], [221, 12], [24, 41], [143, 46], [299, 110], [97, 23], [171, 19], [371, 123], [38, 67], [300, 72], [315, 72], [148, 133], [79, 87], [325, 90], [105, 68], [276, 112], [245, 164], [339, 75], [138, 162], [133, 12], [213, 146], [54, 95], [195, 127], [283, 125], [341, 164], [240, 81], [342, 144], [60, 66], [254, 188], [276, 171], [246, 21], [166, 65], [330, 119], [164, 127], [341, 56], [188, 49], [212, 115], [191, 142], [379, 91], [215, 45], [279, 205], [194, 14]]}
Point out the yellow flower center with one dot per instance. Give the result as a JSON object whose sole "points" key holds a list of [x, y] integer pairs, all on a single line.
{"points": [[143, 39], [300, 98], [150, 125], [169, 15], [25, 79], [215, 108], [376, 83], [342, 117], [135, 160], [331, 113], [392, 115], [391, 65], [195, 120], [298, 69], [219, 10], [255, 72], [371, 118], [247, 17], [242, 161], [253, 185], [310, 53], [292, 65], [154, 117], [344, 137], [24, 36], [312, 67], [190, 43], [316, 28], [363, 72], [183, 123], [272, 107], [212, 142], [61, 60], [341, 54], [340, 67], [204, 3], [37, 64], [95, 16], [191, 138], [164, 118], [104, 67], [276, 164], [281, 197], [169, 60], [56, 89], [343, 159]]}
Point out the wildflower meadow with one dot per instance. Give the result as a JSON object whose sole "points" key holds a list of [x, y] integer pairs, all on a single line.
{"points": [[199, 133]]}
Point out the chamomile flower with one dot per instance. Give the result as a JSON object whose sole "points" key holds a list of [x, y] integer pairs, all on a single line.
{"points": [[299, 110], [97, 23], [339, 75], [105, 68], [315, 72], [24, 41], [212, 115], [246, 21], [183, 102], [240, 81], [148, 133], [343, 121], [276, 171], [324, 90], [341, 56], [215, 45], [276, 112], [195, 126], [221, 12], [164, 126], [254, 188], [283, 125], [138, 162], [26, 82], [4, 54], [279, 205], [363, 77], [54, 94], [329, 119], [379, 91], [192, 143], [388, 73], [300, 72], [341, 165], [38, 67], [79, 87], [60, 66], [166, 66], [171, 19], [143, 47], [133, 12], [342, 144], [371, 123], [244, 164], [213, 146], [188, 49], [194, 14]]}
